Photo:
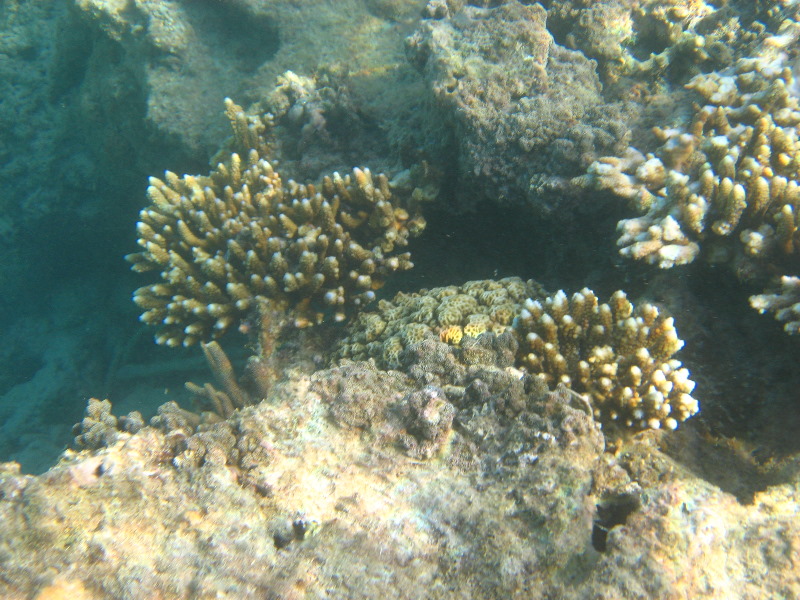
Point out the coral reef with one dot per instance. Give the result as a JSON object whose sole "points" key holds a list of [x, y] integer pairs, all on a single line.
{"points": [[228, 241], [463, 443], [617, 356], [448, 313]]}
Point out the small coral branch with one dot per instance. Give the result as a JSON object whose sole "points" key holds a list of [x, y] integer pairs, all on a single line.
{"points": [[260, 373], [785, 303], [232, 395]]}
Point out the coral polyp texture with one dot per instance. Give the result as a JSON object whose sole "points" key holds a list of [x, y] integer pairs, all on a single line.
{"points": [[616, 356], [239, 236], [448, 313]]}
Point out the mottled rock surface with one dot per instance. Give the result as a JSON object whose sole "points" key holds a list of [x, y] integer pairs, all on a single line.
{"points": [[526, 112], [360, 483]]}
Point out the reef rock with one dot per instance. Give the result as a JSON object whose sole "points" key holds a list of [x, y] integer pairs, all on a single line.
{"points": [[358, 483], [527, 112]]}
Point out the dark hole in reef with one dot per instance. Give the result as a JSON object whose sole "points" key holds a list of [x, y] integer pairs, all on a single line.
{"points": [[745, 368], [281, 539], [610, 513], [285, 535], [496, 241], [75, 44], [299, 528]]}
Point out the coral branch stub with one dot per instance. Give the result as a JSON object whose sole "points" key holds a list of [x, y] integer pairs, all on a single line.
{"points": [[240, 235], [784, 303]]}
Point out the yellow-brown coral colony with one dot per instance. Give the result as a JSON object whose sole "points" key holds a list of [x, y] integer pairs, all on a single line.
{"points": [[733, 174], [239, 236], [449, 313], [618, 356], [728, 185]]}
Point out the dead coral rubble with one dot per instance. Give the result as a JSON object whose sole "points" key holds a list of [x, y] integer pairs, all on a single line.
{"points": [[527, 113], [227, 241], [277, 499]]}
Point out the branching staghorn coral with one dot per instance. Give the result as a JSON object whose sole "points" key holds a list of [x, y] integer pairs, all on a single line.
{"points": [[616, 356], [728, 186], [227, 241], [731, 180]]}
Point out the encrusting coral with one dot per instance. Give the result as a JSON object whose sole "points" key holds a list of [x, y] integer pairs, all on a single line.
{"points": [[227, 241]]}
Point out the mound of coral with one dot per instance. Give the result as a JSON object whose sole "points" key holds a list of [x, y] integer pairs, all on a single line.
{"points": [[448, 313], [525, 111]]}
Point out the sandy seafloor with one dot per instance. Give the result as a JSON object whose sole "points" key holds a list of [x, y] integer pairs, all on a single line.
{"points": [[450, 472]]}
